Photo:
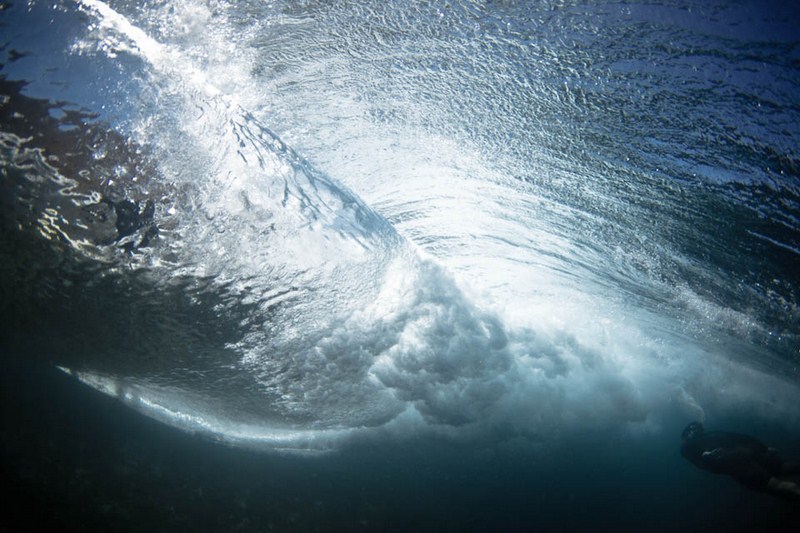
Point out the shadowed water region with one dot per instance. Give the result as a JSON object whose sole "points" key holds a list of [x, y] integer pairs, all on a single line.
{"points": [[395, 265], [86, 462]]}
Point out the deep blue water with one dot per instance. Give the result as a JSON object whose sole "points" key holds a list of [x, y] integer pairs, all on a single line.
{"points": [[395, 265]]}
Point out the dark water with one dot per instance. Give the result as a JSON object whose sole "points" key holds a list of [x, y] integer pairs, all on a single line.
{"points": [[395, 266], [76, 460]]}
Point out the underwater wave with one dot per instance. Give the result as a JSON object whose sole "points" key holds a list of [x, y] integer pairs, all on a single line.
{"points": [[548, 244]]}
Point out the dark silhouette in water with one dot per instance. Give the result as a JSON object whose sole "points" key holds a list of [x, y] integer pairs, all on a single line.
{"points": [[742, 457]]}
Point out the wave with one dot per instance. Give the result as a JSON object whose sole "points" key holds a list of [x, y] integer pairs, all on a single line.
{"points": [[175, 253]]}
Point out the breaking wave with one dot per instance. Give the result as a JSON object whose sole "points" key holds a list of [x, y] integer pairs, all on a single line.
{"points": [[540, 250]]}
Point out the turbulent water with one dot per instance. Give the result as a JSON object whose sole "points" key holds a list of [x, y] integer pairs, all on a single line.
{"points": [[299, 225]]}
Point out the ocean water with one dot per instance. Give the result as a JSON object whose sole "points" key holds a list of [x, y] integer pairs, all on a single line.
{"points": [[407, 265]]}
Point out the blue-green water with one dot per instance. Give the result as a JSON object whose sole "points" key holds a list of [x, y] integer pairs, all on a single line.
{"points": [[404, 265]]}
